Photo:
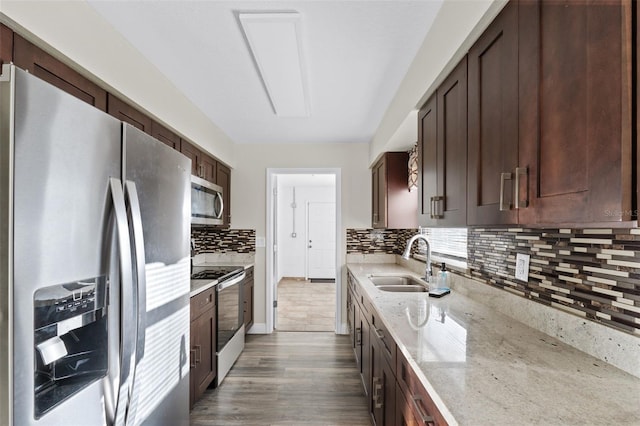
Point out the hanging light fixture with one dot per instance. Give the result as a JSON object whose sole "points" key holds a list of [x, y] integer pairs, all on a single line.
{"points": [[413, 168]]}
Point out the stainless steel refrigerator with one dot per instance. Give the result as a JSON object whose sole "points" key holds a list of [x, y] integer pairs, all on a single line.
{"points": [[94, 273]]}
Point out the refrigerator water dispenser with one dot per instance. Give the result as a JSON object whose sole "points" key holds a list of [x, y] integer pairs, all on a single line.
{"points": [[70, 338]]}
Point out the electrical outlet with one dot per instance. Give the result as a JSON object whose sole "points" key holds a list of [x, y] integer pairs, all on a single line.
{"points": [[522, 267]]}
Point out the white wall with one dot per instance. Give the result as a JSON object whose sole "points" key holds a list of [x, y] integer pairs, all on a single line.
{"points": [[73, 29], [249, 193], [292, 251], [458, 24]]}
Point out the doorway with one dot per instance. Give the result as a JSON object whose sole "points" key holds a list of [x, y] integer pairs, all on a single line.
{"points": [[302, 236]]}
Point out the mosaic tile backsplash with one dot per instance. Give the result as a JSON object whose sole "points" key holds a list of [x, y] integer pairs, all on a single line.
{"points": [[377, 241], [213, 240], [593, 273]]}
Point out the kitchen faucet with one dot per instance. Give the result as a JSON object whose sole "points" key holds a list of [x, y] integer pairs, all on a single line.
{"points": [[407, 253]]}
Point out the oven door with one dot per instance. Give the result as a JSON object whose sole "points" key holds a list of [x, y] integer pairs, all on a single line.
{"points": [[230, 316], [207, 206]]}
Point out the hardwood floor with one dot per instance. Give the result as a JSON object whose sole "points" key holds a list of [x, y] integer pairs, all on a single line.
{"points": [[306, 306], [301, 378]]}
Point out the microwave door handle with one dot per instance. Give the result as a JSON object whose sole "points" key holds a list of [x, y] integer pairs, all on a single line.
{"points": [[220, 200], [117, 399]]}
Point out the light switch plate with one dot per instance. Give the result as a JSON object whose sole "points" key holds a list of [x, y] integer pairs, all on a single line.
{"points": [[522, 267]]}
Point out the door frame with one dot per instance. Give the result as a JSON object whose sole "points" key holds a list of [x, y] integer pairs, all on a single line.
{"points": [[271, 248]]}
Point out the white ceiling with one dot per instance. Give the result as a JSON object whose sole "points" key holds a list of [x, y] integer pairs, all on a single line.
{"points": [[357, 52]]}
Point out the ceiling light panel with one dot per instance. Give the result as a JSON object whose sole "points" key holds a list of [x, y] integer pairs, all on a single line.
{"points": [[276, 46]]}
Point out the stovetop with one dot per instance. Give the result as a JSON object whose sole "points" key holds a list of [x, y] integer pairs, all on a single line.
{"points": [[220, 273]]}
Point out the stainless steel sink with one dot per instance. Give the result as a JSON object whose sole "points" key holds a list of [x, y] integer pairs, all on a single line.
{"points": [[408, 288], [398, 283]]}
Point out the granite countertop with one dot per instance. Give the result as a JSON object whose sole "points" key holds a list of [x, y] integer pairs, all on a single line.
{"points": [[483, 367], [198, 286]]}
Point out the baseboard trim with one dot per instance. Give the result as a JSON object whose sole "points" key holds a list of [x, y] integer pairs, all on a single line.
{"points": [[258, 328], [343, 329]]}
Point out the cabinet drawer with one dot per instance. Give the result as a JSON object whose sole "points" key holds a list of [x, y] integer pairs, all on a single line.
{"points": [[200, 303], [388, 344], [417, 397]]}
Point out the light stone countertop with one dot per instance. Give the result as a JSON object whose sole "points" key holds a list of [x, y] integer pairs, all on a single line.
{"points": [[482, 367]]}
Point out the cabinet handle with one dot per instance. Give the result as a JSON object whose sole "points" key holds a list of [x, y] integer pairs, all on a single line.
{"points": [[426, 419], [503, 177], [375, 218], [198, 354], [359, 336], [192, 352], [378, 332], [431, 208], [377, 387], [521, 203], [437, 207]]}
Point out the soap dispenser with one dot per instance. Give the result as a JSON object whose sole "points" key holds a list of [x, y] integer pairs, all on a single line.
{"points": [[443, 276]]}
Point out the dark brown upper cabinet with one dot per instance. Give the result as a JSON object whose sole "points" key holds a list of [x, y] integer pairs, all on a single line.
{"points": [[202, 165], [165, 136], [223, 179], [393, 206], [125, 112], [442, 153], [39, 63], [6, 45], [493, 123], [575, 111]]}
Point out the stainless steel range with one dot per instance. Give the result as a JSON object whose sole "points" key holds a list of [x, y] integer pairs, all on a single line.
{"points": [[230, 320]]}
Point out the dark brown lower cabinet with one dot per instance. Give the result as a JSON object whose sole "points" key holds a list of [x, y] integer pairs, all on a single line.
{"points": [[418, 404], [404, 413], [382, 403], [203, 344], [247, 288]]}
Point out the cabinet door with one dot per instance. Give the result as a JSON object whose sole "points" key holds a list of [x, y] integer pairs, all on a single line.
{"points": [[575, 126], [427, 162], [378, 199], [223, 179], [6, 45], [205, 351], [451, 201], [383, 385], [194, 154], [493, 122], [165, 136], [39, 63], [404, 414], [128, 114], [366, 353], [209, 166]]}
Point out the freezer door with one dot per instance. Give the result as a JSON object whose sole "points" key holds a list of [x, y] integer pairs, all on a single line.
{"points": [[157, 184], [65, 153]]}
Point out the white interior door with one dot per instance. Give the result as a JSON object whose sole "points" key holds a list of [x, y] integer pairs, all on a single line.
{"points": [[321, 239], [274, 269]]}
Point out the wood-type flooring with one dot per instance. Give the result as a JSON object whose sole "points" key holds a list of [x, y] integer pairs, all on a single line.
{"points": [[296, 378], [306, 306]]}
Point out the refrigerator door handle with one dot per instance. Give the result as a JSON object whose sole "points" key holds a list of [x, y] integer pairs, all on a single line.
{"points": [[131, 193], [135, 219], [120, 382]]}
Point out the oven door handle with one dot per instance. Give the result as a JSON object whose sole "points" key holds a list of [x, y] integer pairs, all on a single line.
{"points": [[232, 282]]}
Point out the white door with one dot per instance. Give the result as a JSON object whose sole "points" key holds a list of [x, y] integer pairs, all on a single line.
{"points": [[321, 240]]}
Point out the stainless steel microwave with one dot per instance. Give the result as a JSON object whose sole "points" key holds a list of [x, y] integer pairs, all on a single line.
{"points": [[207, 207]]}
